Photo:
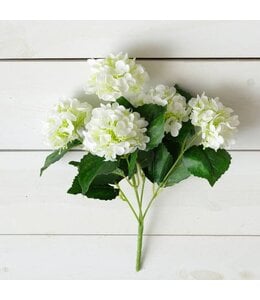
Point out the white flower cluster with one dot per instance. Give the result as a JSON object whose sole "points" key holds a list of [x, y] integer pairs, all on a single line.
{"points": [[114, 76], [159, 95], [177, 112], [114, 130], [177, 109], [65, 122], [215, 121]]}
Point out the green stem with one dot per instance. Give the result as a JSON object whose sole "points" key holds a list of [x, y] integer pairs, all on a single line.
{"points": [[142, 176], [164, 182], [129, 182], [124, 198], [155, 194], [135, 186], [162, 185], [139, 198], [139, 245], [132, 209], [183, 149]]}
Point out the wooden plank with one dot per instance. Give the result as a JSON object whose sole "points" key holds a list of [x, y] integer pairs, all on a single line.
{"points": [[29, 89], [30, 204], [113, 257], [66, 39]]}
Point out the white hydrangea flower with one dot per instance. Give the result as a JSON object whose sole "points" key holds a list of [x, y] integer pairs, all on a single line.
{"points": [[215, 121], [177, 112], [159, 95], [139, 99], [177, 109], [115, 76], [114, 130], [65, 122]]}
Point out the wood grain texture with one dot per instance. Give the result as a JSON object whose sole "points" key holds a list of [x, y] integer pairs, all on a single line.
{"points": [[29, 89], [106, 257], [67, 39], [30, 204], [48, 234]]}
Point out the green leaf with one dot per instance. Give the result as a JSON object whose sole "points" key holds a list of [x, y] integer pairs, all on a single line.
{"points": [[186, 133], [172, 145], [127, 166], [132, 164], [88, 169], [58, 154], [175, 144], [102, 192], [154, 114], [179, 173], [99, 188], [145, 158], [182, 92], [75, 188], [123, 101], [91, 166], [207, 163], [161, 164], [119, 172], [123, 166], [74, 163], [107, 179]]}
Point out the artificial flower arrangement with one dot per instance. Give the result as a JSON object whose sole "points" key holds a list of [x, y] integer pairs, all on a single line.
{"points": [[139, 133]]}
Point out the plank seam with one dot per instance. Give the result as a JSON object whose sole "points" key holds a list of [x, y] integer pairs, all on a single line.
{"points": [[78, 150], [129, 234], [62, 59]]}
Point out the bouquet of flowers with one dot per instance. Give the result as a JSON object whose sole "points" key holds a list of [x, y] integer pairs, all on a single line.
{"points": [[138, 133]]}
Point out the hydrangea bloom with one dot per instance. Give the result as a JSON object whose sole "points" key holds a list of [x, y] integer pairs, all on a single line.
{"points": [[114, 130], [66, 121], [114, 76], [159, 95], [177, 109], [177, 112], [215, 121]]}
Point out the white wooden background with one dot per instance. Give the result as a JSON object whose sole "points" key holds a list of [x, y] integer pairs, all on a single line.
{"points": [[193, 231]]}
